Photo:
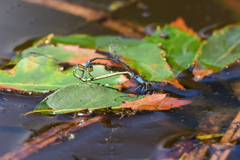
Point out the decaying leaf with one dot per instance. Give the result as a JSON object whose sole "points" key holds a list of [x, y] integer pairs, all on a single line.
{"points": [[28, 75], [155, 102], [180, 23], [76, 97]]}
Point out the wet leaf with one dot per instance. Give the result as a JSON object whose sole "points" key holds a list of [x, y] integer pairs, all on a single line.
{"points": [[222, 48], [180, 46], [30, 76], [78, 97], [155, 102], [84, 40], [180, 23], [145, 57], [147, 60], [65, 53], [57, 52]]}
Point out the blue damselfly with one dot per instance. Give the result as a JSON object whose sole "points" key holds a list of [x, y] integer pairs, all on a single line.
{"points": [[116, 49]]}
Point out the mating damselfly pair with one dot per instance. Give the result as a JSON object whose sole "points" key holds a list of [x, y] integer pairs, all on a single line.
{"points": [[115, 48]]}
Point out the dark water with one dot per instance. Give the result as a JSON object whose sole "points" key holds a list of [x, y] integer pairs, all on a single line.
{"points": [[134, 137]]}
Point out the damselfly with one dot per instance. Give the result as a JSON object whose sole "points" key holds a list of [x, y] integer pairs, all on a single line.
{"points": [[116, 48]]}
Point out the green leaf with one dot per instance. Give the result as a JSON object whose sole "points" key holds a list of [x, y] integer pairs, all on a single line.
{"points": [[30, 76], [180, 46], [76, 97], [76, 39], [144, 56], [58, 52], [147, 60], [222, 48]]}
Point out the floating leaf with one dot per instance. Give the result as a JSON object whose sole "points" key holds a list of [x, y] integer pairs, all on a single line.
{"points": [[86, 41], [222, 48], [78, 97], [180, 24], [57, 52], [30, 76], [155, 102], [180, 46], [148, 61], [66, 53]]}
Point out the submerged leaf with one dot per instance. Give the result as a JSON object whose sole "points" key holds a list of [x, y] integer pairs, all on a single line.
{"points": [[222, 48], [78, 97]]}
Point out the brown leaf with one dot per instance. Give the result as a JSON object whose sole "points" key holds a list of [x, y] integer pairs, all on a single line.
{"points": [[155, 102], [7, 87], [180, 23], [199, 72], [174, 82], [82, 55]]}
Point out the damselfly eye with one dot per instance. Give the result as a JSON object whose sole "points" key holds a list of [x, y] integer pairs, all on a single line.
{"points": [[90, 68]]}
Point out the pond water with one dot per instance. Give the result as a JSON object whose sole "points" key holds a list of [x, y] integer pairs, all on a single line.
{"points": [[134, 137]]}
